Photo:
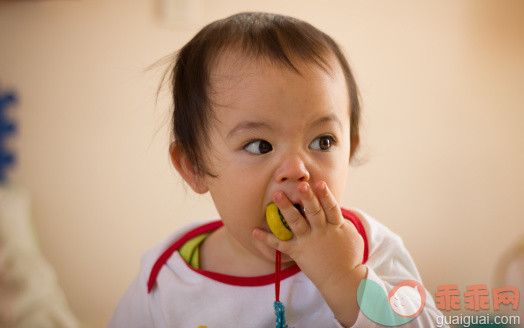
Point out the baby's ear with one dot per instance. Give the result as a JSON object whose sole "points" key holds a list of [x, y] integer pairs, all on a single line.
{"points": [[191, 174]]}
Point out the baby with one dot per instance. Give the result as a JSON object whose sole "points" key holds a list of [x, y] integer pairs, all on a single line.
{"points": [[266, 110]]}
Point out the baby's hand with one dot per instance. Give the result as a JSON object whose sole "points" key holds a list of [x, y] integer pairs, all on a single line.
{"points": [[325, 246]]}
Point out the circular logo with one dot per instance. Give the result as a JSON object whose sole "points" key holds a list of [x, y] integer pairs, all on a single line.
{"points": [[407, 298]]}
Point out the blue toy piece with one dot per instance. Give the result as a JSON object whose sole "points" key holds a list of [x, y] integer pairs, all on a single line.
{"points": [[279, 312], [6, 128]]}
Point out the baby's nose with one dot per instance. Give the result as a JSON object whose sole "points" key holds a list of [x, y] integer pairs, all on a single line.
{"points": [[292, 168]]}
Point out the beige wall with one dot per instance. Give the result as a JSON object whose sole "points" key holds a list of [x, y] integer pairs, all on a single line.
{"points": [[442, 88]]}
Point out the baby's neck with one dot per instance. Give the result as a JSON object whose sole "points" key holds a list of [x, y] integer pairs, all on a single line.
{"points": [[221, 254]]}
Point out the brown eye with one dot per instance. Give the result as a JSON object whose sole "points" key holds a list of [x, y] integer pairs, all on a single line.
{"points": [[264, 147], [323, 143], [258, 147]]}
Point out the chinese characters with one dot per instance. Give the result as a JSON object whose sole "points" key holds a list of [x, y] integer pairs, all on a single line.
{"points": [[476, 297]]}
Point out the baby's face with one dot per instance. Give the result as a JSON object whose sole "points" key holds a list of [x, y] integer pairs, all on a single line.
{"points": [[274, 129]]}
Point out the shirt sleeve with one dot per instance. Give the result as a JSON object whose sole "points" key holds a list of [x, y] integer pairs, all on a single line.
{"points": [[133, 309], [137, 307], [388, 264]]}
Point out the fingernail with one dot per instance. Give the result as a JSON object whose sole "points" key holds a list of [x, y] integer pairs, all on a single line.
{"points": [[279, 196]]}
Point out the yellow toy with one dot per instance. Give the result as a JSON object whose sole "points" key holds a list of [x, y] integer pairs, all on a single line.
{"points": [[277, 223]]}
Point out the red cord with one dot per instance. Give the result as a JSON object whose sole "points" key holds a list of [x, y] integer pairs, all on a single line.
{"points": [[278, 261]]}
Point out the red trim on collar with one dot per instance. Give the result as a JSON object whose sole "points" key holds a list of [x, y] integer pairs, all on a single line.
{"points": [[360, 228], [235, 280], [176, 245], [248, 281]]}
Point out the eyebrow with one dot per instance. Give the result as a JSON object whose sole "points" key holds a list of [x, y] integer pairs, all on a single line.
{"points": [[254, 125], [327, 119], [248, 125]]}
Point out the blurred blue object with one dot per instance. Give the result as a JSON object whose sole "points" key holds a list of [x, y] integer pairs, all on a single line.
{"points": [[6, 128]]}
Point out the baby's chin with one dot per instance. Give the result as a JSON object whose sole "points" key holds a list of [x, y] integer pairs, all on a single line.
{"points": [[269, 254], [285, 259]]}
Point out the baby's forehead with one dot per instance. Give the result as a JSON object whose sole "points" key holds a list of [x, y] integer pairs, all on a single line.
{"points": [[234, 66], [243, 86]]}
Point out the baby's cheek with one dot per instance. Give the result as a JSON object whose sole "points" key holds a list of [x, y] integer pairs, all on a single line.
{"points": [[335, 178], [336, 187]]}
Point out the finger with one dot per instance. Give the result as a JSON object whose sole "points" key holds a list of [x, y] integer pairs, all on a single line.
{"points": [[328, 203], [294, 219], [312, 208], [270, 240]]}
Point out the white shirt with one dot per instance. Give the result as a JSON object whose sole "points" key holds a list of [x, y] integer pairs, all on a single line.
{"points": [[181, 296]]}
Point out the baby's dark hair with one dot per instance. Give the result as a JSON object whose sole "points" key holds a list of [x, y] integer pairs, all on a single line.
{"points": [[279, 38]]}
